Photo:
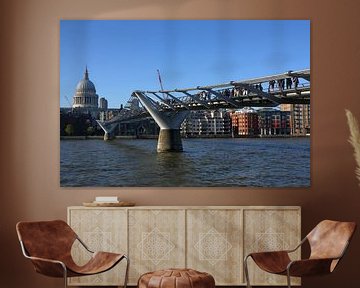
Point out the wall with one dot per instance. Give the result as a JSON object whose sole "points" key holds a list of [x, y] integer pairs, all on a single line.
{"points": [[29, 114]]}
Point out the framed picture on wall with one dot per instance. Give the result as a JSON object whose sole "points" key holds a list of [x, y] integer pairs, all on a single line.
{"points": [[192, 103]]}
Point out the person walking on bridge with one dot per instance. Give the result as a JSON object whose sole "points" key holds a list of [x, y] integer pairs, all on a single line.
{"points": [[288, 83], [281, 84], [271, 85], [295, 80]]}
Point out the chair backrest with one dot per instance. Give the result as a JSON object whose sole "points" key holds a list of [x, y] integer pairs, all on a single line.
{"points": [[46, 239], [329, 239]]}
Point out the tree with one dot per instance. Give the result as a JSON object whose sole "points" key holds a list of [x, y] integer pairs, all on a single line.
{"points": [[90, 130], [69, 129]]}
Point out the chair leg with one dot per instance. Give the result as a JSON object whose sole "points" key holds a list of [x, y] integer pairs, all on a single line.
{"points": [[127, 271], [288, 278], [65, 276], [246, 270]]}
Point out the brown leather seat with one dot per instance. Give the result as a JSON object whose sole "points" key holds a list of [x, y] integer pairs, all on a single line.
{"points": [[328, 242], [48, 245], [176, 278]]}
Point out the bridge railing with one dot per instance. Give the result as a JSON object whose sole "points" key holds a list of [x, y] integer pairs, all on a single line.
{"points": [[268, 91], [177, 99]]}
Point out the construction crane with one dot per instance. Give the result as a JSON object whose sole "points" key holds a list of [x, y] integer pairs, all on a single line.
{"points": [[161, 85], [67, 99]]}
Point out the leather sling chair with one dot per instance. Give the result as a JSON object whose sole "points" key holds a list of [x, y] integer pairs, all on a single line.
{"points": [[328, 242], [48, 245]]}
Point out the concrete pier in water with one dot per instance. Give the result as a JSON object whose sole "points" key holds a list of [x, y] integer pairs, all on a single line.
{"points": [[169, 141], [169, 123]]}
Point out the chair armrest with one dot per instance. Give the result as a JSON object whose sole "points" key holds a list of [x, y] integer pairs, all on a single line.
{"points": [[268, 253], [49, 267], [298, 246], [281, 251], [46, 260], [84, 245], [309, 267], [271, 261]]}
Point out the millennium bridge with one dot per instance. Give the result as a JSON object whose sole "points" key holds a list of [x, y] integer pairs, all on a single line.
{"points": [[169, 108]]}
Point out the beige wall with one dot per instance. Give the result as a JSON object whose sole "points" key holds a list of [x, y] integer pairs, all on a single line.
{"points": [[29, 113]]}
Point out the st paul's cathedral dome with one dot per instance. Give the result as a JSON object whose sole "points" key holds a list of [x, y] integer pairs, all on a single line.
{"points": [[85, 95]]}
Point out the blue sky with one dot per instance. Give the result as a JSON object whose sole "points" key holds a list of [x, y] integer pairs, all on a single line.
{"points": [[123, 55]]}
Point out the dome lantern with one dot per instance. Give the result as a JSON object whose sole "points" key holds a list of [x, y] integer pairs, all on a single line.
{"points": [[86, 75]]}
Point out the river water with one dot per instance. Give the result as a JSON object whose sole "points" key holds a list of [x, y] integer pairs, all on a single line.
{"points": [[269, 162]]}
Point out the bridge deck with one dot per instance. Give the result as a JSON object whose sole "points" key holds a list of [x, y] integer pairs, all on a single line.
{"points": [[256, 92]]}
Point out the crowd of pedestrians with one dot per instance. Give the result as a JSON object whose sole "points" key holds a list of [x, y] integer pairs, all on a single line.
{"points": [[238, 91], [280, 83], [273, 85]]}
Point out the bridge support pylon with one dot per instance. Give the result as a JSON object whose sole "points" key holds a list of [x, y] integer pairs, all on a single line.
{"points": [[169, 122], [108, 136], [108, 131], [169, 141]]}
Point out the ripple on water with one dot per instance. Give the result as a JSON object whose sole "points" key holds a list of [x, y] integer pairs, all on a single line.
{"points": [[204, 162]]}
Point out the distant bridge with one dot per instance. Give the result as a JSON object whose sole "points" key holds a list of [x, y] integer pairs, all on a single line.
{"points": [[169, 108]]}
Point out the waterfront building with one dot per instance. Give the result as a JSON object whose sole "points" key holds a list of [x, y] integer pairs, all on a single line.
{"points": [[273, 122], [206, 123], [300, 118], [245, 123], [103, 103], [107, 114], [133, 104], [143, 128]]}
